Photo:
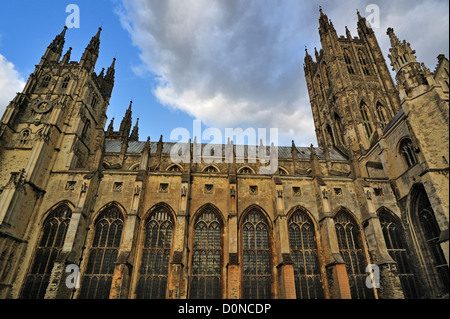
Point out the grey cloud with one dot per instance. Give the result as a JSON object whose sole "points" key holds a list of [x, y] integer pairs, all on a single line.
{"points": [[238, 63]]}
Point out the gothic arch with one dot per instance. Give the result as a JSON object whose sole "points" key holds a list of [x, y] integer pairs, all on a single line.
{"points": [[304, 249], [425, 232], [122, 210], [210, 168], [246, 211], [248, 170], [154, 252], [52, 234], [175, 167], [206, 256], [44, 216]]}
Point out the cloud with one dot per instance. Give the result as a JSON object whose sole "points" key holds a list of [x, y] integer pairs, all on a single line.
{"points": [[238, 63], [10, 83]]}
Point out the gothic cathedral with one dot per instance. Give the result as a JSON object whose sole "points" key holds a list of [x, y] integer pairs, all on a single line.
{"points": [[363, 216]]}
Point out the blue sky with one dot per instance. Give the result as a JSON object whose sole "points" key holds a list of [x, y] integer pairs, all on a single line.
{"points": [[233, 63]]}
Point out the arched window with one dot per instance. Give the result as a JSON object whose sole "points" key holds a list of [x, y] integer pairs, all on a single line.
{"points": [[257, 274], [46, 81], [365, 113], [326, 74], [154, 267], [282, 171], [430, 233], [87, 126], [24, 137], [351, 249], [349, 62], [103, 254], [246, 170], [339, 127], [302, 240], [94, 101], [65, 82], [381, 111], [396, 245], [49, 246], [206, 273], [174, 168], [362, 59], [407, 151], [210, 169], [330, 135]]}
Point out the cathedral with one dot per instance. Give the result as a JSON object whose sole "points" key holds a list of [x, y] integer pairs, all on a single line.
{"points": [[87, 212]]}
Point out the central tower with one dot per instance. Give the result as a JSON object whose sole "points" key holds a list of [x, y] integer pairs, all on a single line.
{"points": [[351, 91]]}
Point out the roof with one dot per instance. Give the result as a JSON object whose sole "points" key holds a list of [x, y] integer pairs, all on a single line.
{"points": [[394, 120], [283, 151]]}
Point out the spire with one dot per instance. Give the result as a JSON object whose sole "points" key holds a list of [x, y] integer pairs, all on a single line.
{"points": [[395, 42], [126, 123], [90, 54], [135, 133], [66, 58], [363, 25], [55, 49], [58, 43], [111, 71], [110, 129], [108, 84]]}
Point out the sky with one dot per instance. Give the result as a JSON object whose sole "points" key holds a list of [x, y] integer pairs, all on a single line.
{"points": [[228, 63]]}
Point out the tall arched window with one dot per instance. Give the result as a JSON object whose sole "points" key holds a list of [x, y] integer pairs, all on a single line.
{"points": [[257, 274], [24, 137], [206, 270], [362, 59], [430, 233], [65, 82], [154, 267], [407, 151], [45, 81], [381, 111], [103, 254], [49, 246], [302, 240], [365, 113], [348, 61], [351, 249], [326, 74], [339, 128], [396, 245]]}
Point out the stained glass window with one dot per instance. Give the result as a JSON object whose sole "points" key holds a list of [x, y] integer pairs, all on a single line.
{"points": [[154, 267], [257, 275], [48, 248], [407, 150], [352, 251], [366, 119], [206, 267], [308, 280], [432, 232], [397, 249], [103, 254]]}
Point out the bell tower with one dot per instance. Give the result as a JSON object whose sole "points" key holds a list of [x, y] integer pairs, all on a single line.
{"points": [[351, 91], [55, 124]]}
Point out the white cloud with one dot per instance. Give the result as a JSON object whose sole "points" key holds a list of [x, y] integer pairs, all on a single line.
{"points": [[10, 83], [238, 63]]}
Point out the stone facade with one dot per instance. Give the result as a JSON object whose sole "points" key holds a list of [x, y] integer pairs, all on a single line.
{"points": [[138, 225]]}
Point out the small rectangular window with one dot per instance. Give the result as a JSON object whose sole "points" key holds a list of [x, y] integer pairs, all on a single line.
{"points": [[117, 187], [296, 191], [209, 188], [338, 192], [70, 185], [253, 190], [163, 187], [378, 191]]}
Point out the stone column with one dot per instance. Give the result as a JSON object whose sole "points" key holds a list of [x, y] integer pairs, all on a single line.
{"points": [[122, 272], [389, 282], [233, 269], [177, 279], [336, 272], [285, 269]]}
